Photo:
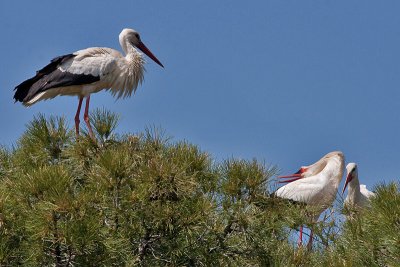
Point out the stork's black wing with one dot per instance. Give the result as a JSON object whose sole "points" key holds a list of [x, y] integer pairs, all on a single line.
{"points": [[51, 77]]}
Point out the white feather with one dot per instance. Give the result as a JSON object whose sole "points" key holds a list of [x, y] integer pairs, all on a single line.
{"points": [[320, 187]]}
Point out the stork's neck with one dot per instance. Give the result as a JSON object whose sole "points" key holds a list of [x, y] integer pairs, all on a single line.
{"points": [[133, 56], [354, 187], [333, 171], [127, 47]]}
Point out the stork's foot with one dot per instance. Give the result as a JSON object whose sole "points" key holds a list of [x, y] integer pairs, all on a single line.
{"points": [[77, 121], [87, 121], [86, 117], [310, 242], [309, 245], [300, 240]]}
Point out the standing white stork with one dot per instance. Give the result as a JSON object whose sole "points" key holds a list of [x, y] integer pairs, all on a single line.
{"points": [[357, 195], [88, 71], [315, 185]]}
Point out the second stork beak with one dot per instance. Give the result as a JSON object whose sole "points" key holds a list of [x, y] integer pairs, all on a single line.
{"points": [[348, 178], [145, 50]]}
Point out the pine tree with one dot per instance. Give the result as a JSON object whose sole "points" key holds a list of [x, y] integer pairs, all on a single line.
{"points": [[146, 200]]}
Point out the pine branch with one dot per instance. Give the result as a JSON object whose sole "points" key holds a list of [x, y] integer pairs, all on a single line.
{"points": [[56, 241]]}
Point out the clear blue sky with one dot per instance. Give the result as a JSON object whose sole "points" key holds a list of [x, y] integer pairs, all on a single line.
{"points": [[280, 81]]}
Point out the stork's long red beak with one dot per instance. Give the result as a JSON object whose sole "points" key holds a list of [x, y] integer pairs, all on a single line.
{"points": [[348, 179], [295, 176], [145, 50]]}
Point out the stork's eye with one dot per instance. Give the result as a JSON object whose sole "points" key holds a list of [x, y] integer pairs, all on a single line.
{"points": [[137, 36]]}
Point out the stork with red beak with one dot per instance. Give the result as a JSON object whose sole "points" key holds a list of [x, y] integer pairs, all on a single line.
{"points": [[89, 71], [315, 185], [357, 195]]}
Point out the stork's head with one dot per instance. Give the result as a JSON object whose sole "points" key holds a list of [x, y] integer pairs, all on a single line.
{"points": [[133, 38], [352, 173], [313, 169]]}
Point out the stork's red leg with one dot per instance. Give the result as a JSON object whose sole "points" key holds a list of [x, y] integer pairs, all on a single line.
{"points": [[77, 121], [86, 116], [300, 241], [309, 245]]}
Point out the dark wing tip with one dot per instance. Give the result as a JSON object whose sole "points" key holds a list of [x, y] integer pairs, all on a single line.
{"points": [[23, 89]]}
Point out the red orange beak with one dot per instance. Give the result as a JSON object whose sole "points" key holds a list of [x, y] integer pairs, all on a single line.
{"points": [[295, 176], [348, 179], [145, 50]]}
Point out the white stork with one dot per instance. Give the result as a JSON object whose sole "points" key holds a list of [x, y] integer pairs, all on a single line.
{"points": [[357, 195], [315, 185], [88, 71]]}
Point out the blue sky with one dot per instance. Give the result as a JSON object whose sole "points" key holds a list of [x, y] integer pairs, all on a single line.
{"points": [[281, 81]]}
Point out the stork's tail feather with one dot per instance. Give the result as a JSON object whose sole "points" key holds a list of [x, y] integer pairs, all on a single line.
{"points": [[22, 90]]}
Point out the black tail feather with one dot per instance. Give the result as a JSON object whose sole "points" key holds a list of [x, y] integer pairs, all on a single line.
{"points": [[22, 90]]}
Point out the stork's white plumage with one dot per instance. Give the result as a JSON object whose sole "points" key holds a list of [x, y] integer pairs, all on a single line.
{"points": [[315, 185], [88, 71], [357, 195]]}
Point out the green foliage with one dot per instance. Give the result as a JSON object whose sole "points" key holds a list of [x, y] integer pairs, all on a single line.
{"points": [[374, 234], [104, 123], [146, 200]]}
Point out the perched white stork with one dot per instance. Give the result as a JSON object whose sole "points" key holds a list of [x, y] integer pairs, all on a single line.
{"points": [[315, 185], [88, 71], [357, 195]]}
